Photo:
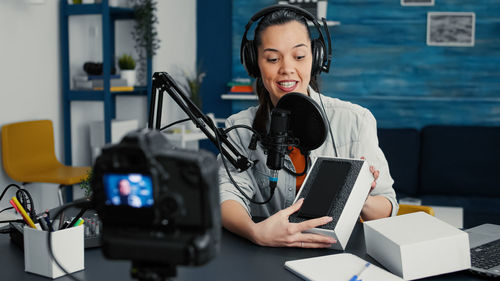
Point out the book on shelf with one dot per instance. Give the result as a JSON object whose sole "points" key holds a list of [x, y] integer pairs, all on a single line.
{"points": [[240, 82], [116, 88], [90, 84], [101, 77], [241, 89]]}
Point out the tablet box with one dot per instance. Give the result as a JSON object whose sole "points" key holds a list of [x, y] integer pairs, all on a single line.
{"points": [[338, 187], [67, 245], [417, 245]]}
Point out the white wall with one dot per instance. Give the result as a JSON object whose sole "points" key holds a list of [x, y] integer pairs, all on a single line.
{"points": [[30, 70], [29, 74]]}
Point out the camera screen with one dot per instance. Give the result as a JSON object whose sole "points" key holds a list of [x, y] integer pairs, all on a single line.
{"points": [[134, 190]]}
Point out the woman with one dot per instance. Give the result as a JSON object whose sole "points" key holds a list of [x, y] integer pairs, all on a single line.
{"points": [[285, 60]]}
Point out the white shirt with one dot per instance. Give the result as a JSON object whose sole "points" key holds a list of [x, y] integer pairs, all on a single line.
{"points": [[355, 135]]}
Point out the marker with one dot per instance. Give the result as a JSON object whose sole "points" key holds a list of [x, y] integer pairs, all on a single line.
{"points": [[356, 277], [79, 222], [43, 224], [77, 218], [14, 202], [46, 216]]}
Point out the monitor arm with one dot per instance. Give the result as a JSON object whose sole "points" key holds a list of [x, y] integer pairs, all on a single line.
{"points": [[163, 82]]}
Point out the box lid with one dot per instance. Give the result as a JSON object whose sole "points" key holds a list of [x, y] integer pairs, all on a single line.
{"points": [[413, 228]]}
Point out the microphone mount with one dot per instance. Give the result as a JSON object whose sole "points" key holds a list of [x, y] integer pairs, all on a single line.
{"points": [[162, 82]]}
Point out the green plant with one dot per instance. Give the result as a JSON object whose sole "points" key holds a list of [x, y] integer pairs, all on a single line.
{"points": [[193, 86], [144, 33], [126, 62], [85, 184]]}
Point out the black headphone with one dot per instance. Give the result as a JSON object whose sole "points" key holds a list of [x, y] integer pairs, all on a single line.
{"points": [[321, 61]]}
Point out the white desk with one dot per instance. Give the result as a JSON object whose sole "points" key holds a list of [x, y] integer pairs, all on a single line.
{"points": [[451, 215], [184, 137]]}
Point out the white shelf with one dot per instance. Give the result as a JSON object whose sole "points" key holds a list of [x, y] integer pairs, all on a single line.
{"points": [[328, 23], [238, 97]]}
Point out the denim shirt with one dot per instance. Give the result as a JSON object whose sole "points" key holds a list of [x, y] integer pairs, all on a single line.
{"points": [[355, 135]]}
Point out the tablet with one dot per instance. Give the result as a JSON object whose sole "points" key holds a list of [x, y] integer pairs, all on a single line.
{"points": [[324, 184], [334, 187]]}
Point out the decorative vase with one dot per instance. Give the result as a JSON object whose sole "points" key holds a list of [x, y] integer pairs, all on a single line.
{"points": [[128, 75]]}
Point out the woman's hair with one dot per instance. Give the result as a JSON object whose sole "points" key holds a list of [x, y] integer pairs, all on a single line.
{"points": [[278, 17]]}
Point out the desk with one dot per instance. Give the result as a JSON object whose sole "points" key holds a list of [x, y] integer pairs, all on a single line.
{"points": [[238, 259]]}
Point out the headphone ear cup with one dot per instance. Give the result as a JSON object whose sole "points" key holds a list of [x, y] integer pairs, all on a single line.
{"points": [[318, 53], [250, 59]]}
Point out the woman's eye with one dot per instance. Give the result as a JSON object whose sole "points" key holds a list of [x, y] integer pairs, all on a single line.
{"points": [[300, 57], [272, 59]]}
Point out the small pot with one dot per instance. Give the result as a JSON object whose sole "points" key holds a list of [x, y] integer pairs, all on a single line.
{"points": [[128, 75]]}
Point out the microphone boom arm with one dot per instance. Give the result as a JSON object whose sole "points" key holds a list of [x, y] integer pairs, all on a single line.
{"points": [[163, 82]]}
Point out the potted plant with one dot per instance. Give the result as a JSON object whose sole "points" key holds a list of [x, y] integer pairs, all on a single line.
{"points": [[193, 86], [145, 34], [127, 68]]}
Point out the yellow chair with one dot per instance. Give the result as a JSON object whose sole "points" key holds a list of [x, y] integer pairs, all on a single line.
{"points": [[28, 156], [406, 209]]}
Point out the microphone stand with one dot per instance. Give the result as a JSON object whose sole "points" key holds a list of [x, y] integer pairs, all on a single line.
{"points": [[162, 82]]}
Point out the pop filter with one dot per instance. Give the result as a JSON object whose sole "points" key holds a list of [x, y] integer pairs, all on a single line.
{"points": [[307, 122]]}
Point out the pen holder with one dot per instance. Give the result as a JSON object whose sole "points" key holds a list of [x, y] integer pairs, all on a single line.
{"points": [[67, 245]]}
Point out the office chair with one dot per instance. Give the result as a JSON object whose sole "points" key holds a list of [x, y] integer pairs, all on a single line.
{"points": [[406, 209], [28, 156]]}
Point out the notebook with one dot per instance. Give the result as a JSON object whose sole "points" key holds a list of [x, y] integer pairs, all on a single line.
{"points": [[484, 243], [342, 267]]}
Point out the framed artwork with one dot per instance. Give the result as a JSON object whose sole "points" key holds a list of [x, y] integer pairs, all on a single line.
{"points": [[456, 29], [417, 2]]}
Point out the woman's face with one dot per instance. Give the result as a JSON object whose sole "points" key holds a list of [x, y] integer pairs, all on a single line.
{"points": [[285, 59]]}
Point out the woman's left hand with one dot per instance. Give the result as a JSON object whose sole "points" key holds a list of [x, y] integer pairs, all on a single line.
{"points": [[375, 174]]}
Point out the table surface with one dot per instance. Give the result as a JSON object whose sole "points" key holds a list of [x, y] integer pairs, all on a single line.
{"points": [[238, 259]]}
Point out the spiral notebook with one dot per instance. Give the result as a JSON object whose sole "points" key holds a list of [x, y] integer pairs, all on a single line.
{"points": [[341, 267]]}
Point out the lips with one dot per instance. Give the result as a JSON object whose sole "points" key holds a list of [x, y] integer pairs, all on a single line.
{"points": [[287, 85]]}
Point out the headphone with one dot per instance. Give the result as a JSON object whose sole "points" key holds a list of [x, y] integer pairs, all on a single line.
{"points": [[321, 60]]}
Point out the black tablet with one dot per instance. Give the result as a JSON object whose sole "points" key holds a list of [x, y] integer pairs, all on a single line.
{"points": [[324, 182]]}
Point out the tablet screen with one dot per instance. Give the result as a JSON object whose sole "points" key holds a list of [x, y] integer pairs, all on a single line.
{"points": [[324, 185]]}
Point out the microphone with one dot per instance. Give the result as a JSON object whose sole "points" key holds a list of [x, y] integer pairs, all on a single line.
{"points": [[277, 143]]}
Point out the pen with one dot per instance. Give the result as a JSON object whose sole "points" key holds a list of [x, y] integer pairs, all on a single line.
{"points": [[14, 202], [46, 216], [356, 277], [43, 223]]}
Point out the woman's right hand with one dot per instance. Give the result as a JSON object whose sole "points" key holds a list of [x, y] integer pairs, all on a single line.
{"points": [[277, 231]]}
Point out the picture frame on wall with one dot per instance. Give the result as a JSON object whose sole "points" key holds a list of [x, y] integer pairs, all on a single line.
{"points": [[417, 2], [454, 29]]}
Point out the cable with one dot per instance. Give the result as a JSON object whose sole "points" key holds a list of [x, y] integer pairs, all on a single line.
{"points": [[8, 208], [24, 198], [329, 126], [174, 123], [81, 203], [219, 145]]}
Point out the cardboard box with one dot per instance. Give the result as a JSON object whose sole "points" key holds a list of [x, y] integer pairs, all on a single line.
{"points": [[346, 206], [417, 245], [67, 245]]}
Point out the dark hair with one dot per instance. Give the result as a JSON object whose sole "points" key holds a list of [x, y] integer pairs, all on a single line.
{"points": [[278, 17]]}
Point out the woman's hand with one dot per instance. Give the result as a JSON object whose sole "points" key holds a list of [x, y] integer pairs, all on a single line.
{"points": [[375, 174], [375, 207], [277, 231]]}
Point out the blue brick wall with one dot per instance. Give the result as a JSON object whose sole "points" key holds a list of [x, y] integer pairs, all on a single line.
{"points": [[381, 61]]}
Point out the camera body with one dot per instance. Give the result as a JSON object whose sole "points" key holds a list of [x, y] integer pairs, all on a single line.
{"points": [[158, 204]]}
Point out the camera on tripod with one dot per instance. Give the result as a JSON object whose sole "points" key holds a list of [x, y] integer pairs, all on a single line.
{"points": [[159, 205]]}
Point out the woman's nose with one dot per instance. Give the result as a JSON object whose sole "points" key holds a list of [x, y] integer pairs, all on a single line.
{"points": [[287, 66]]}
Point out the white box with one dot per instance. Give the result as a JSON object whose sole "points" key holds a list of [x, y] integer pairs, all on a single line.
{"points": [[352, 196], [67, 245], [417, 245], [119, 128]]}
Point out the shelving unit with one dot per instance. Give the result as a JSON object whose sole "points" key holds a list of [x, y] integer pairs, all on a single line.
{"points": [[109, 16]]}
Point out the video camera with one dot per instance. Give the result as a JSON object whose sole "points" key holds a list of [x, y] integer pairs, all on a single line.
{"points": [[159, 205]]}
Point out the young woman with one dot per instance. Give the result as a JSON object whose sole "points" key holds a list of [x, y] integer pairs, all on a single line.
{"points": [[285, 61]]}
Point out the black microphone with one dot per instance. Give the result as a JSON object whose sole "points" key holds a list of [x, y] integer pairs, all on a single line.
{"points": [[277, 143]]}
